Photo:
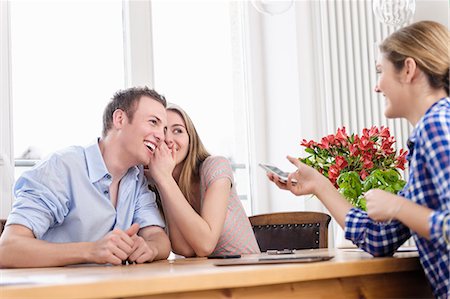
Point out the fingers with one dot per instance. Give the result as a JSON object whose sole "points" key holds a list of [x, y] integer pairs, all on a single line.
{"points": [[174, 153], [120, 252], [137, 251], [133, 230], [380, 205], [142, 252], [294, 177], [369, 194], [274, 178], [120, 246], [292, 180], [163, 160], [113, 248], [163, 149], [113, 260], [294, 161]]}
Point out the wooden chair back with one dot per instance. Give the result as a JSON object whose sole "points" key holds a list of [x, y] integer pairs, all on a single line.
{"points": [[291, 230]]}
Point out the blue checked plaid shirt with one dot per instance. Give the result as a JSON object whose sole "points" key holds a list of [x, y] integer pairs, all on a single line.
{"points": [[428, 185]]}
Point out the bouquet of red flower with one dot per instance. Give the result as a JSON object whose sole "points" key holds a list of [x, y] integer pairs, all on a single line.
{"points": [[356, 164]]}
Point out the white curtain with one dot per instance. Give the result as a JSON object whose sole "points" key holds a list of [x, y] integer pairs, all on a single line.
{"points": [[346, 37]]}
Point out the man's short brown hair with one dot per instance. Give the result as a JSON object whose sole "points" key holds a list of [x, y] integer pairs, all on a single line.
{"points": [[127, 100]]}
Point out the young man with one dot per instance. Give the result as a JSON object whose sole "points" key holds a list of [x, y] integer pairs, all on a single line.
{"points": [[92, 204]]}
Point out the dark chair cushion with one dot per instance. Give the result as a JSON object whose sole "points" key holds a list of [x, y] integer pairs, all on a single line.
{"points": [[287, 236], [291, 230]]}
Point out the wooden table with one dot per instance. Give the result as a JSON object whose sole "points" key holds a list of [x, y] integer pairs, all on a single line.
{"points": [[350, 274]]}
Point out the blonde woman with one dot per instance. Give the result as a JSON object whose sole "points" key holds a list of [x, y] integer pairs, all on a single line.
{"points": [[203, 212], [413, 69]]}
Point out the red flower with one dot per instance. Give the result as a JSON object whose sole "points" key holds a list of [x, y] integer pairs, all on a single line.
{"points": [[363, 174], [400, 161], [333, 173], [308, 144], [327, 142], [367, 161], [341, 163], [364, 153], [366, 143], [342, 136], [384, 132], [387, 143], [371, 132]]}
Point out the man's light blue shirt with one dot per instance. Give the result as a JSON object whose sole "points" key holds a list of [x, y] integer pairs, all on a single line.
{"points": [[65, 198]]}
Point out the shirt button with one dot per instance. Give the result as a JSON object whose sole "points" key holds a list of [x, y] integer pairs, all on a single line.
{"points": [[105, 192], [108, 176]]}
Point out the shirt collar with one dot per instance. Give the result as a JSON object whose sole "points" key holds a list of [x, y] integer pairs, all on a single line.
{"points": [[413, 137], [96, 165], [436, 106]]}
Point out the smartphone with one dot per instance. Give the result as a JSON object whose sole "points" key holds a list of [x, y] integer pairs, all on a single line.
{"points": [[275, 170], [225, 256]]}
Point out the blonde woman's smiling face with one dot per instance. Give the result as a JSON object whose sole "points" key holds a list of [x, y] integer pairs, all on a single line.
{"points": [[390, 86], [176, 135]]}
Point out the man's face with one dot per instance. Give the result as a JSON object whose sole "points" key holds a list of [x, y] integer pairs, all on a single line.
{"points": [[145, 132]]}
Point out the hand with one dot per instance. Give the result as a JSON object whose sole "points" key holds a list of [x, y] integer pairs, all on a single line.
{"points": [[115, 247], [381, 205], [306, 179], [274, 178], [141, 251], [162, 163]]}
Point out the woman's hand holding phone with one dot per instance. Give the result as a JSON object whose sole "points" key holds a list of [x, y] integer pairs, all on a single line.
{"points": [[282, 175]]}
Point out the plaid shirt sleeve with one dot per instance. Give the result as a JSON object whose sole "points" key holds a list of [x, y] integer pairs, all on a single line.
{"points": [[440, 229], [378, 239], [435, 141]]}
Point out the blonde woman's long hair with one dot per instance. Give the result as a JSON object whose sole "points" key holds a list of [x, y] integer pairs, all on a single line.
{"points": [[197, 153], [428, 43]]}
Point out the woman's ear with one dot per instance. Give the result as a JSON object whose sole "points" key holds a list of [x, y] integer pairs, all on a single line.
{"points": [[119, 117], [409, 70]]}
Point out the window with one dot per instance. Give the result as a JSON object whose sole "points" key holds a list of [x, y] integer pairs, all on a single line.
{"points": [[67, 62], [6, 171], [196, 47], [69, 57]]}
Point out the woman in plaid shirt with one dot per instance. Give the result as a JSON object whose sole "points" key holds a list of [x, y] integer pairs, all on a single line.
{"points": [[413, 69]]}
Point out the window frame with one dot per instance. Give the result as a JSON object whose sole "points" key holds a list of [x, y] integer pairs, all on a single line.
{"points": [[6, 144]]}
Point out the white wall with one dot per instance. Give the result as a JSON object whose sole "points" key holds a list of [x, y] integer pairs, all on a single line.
{"points": [[436, 10]]}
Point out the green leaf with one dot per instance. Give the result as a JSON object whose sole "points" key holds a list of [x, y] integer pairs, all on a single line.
{"points": [[309, 151], [391, 175], [348, 193], [398, 186], [361, 203]]}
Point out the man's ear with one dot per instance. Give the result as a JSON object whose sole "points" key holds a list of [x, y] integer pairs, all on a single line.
{"points": [[119, 118], [409, 70]]}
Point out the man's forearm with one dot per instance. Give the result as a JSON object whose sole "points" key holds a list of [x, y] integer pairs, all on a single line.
{"points": [[20, 252]]}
